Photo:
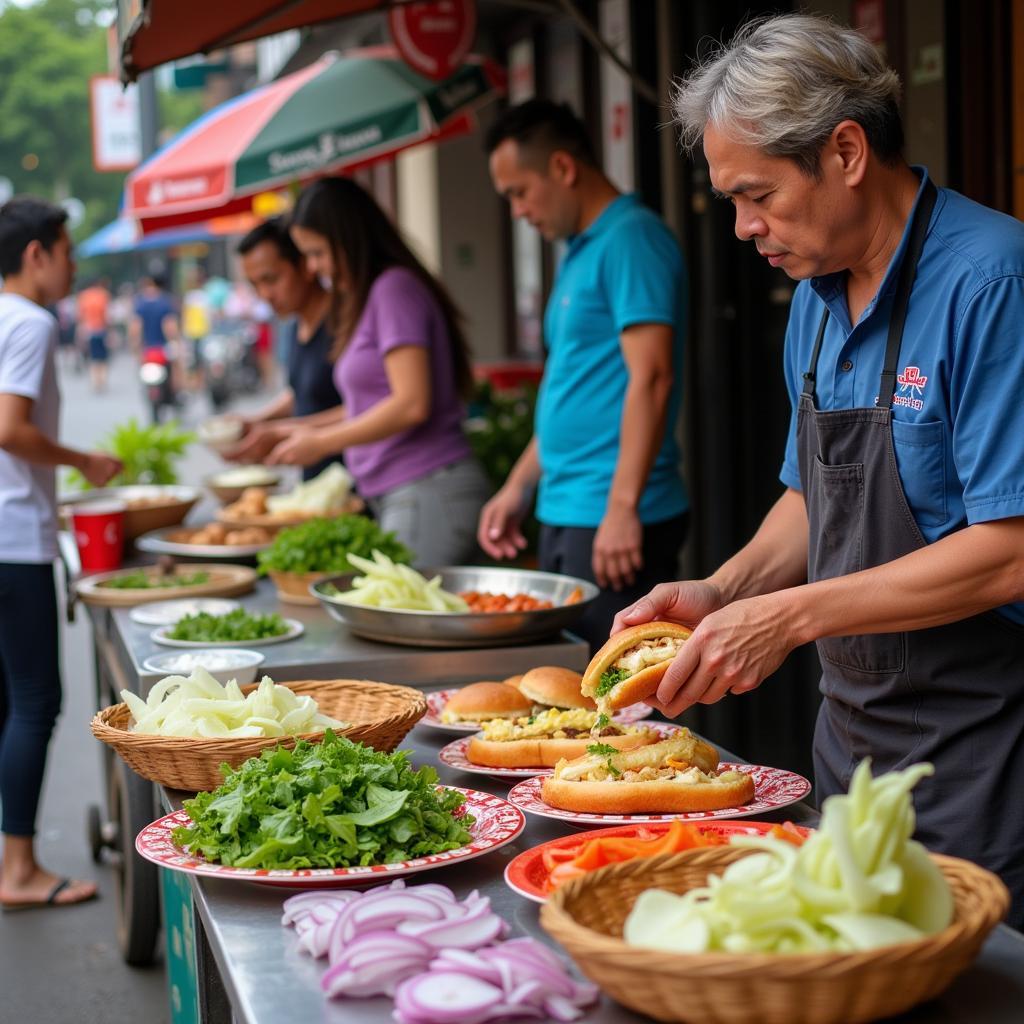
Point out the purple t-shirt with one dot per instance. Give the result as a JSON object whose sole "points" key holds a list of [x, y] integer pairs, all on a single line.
{"points": [[400, 310]]}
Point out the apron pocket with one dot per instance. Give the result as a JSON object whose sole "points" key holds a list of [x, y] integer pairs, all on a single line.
{"points": [[921, 460], [835, 510]]}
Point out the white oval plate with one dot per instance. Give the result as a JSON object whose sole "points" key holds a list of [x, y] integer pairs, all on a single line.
{"points": [[167, 613], [295, 628]]}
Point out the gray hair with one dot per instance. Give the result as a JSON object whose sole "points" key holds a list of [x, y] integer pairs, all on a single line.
{"points": [[783, 83]]}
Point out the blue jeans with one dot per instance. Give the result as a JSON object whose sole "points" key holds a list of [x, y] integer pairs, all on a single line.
{"points": [[30, 691]]}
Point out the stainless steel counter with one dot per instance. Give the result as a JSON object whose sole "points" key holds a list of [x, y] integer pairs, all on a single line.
{"points": [[267, 980], [327, 650], [249, 965]]}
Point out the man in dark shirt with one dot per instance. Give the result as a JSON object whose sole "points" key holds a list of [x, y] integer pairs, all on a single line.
{"points": [[276, 270]]}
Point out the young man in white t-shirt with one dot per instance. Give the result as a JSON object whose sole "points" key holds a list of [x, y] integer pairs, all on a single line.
{"points": [[36, 268]]}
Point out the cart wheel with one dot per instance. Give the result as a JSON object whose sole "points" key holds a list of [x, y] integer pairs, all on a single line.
{"points": [[138, 890]]}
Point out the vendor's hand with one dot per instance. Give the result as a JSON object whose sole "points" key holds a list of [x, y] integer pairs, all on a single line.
{"points": [[686, 602], [299, 448], [99, 468], [731, 651], [498, 531], [256, 444], [618, 548]]}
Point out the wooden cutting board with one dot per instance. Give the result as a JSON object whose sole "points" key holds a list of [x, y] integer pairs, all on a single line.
{"points": [[224, 581]]}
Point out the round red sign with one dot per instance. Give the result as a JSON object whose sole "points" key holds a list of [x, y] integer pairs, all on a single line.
{"points": [[433, 37]]}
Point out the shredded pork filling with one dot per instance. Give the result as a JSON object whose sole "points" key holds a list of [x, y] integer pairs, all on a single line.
{"points": [[649, 652]]}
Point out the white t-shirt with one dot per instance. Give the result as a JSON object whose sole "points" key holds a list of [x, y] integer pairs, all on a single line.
{"points": [[28, 501]]}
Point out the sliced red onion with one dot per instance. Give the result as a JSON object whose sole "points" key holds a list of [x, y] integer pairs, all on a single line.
{"points": [[308, 902], [468, 963], [561, 1008], [445, 997], [472, 931], [378, 978]]}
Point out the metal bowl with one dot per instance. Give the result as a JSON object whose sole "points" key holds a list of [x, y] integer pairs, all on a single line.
{"points": [[460, 629]]}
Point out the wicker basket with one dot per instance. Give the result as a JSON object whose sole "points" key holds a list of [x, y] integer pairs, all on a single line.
{"points": [[293, 587], [586, 916], [380, 715]]}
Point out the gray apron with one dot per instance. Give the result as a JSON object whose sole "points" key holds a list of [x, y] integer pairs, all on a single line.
{"points": [[953, 694]]}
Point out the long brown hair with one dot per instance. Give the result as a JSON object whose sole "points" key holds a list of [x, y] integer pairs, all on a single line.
{"points": [[365, 242]]}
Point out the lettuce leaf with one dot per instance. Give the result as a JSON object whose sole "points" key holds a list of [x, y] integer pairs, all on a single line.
{"points": [[329, 804]]}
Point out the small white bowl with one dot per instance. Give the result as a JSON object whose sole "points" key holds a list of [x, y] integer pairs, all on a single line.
{"points": [[220, 433], [239, 664]]}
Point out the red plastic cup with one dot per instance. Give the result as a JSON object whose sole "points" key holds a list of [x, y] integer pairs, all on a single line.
{"points": [[99, 534]]}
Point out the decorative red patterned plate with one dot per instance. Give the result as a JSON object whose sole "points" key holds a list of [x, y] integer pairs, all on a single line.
{"points": [[497, 823], [773, 788], [527, 875], [437, 700], [454, 755]]}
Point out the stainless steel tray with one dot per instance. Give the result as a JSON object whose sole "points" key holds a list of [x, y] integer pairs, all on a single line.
{"points": [[474, 629]]}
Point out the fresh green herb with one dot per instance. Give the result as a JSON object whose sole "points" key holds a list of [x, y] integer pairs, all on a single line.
{"points": [[323, 545], [602, 721], [236, 625], [148, 453], [607, 751], [330, 804], [141, 581], [609, 679]]}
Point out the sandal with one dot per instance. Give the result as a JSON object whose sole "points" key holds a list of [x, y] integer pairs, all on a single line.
{"points": [[51, 899]]}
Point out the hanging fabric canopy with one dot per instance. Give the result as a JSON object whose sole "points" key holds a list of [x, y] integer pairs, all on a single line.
{"points": [[125, 235], [336, 114], [166, 30]]}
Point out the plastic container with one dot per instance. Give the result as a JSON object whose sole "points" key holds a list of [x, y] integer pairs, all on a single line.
{"points": [[99, 534]]}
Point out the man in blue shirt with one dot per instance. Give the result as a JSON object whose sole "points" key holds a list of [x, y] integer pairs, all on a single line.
{"points": [[898, 544], [611, 501]]}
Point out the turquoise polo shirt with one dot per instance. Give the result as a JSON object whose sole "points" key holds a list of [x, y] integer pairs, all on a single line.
{"points": [[625, 269], [958, 408]]}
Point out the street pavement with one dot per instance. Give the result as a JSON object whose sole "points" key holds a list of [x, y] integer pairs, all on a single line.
{"points": [[63, 966]]}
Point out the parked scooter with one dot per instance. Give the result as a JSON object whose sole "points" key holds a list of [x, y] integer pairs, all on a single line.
{"points": [[155, 374], [228, 358]]}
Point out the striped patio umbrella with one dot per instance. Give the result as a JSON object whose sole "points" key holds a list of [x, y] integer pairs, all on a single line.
{"points": [[336, 114]]}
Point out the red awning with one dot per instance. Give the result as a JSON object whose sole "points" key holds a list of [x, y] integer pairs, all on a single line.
{"points": [[167, 30]]}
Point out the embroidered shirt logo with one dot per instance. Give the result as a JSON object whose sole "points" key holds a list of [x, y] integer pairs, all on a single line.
{"points": [[911, 382]]}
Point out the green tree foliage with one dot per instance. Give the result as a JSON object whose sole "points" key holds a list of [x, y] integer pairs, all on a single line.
{"points": [[48, 51]]}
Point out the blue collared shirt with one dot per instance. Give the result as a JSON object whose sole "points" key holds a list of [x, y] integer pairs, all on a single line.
{"points": [[958, 409], [625, 269]]}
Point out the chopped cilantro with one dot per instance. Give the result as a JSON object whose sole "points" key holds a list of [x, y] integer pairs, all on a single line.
{"points": [[602, 721], [609, 679], [602, 749]]}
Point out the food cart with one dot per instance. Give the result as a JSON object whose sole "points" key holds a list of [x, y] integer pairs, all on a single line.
{"points": [[228, 956]]}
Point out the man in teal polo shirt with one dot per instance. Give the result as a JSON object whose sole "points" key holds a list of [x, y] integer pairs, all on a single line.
{"points": [[898, 543], [611, 502]]}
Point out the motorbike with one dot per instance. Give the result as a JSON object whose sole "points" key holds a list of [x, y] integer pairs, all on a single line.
{"points": [[228, 359], [155, 374]]}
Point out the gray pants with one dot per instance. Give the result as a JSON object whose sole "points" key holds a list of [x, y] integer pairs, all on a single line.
{"points": [[436, 516]]}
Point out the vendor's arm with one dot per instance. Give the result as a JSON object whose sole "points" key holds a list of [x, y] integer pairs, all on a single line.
{"points": [[407, 405], [734, 649], [263, 437], [499, 531], [20, 437], [279, 408], [618, 545]]}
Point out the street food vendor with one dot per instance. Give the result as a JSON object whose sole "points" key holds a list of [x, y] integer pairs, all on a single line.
{"points": [[898, 543], [402, 368], [280, 277]]}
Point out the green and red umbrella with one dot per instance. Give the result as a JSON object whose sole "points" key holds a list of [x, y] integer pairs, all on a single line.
{"points": [[337, 114]]}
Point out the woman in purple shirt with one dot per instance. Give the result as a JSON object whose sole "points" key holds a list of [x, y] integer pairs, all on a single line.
{"points": [[401, 366]]}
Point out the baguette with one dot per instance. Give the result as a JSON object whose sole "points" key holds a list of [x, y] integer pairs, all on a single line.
{"points": [[543, 753], [640, 655], [678, 774]]}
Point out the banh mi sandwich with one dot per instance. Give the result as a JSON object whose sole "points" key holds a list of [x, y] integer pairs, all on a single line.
{"points": [[478, 702], [550, 686], [679, 774], [631, 665], [540, 741]]}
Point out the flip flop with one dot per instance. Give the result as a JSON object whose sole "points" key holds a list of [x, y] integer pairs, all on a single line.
{"points": [[50, 901]]}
